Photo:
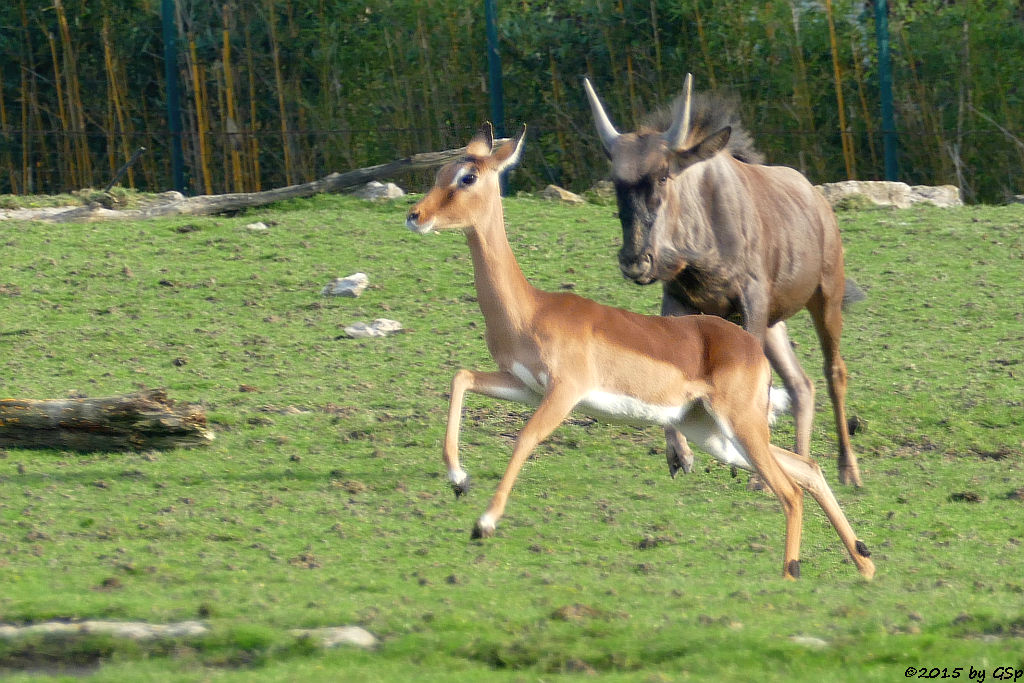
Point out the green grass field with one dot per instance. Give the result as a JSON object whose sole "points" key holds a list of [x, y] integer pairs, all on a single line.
{"points": [[324, 501]]}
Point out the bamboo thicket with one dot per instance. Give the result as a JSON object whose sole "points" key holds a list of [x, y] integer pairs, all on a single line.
{"points": [[279, 92]]}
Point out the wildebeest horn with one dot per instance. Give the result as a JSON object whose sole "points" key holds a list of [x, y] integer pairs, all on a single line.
{"points": [[605, 130], [675, 135]]}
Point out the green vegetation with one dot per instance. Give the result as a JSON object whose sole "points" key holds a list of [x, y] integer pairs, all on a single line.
{"points": [[280, 91], [324, 501]]}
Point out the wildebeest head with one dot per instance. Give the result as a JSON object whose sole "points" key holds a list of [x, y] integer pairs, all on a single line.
{"points": [[643, 163]]}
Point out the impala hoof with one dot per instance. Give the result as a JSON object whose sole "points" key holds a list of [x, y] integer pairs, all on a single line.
{"points": [[484, 528], [461, 488], [793, 570]]}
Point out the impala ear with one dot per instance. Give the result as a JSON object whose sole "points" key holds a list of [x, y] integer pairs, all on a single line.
{"points": [[482, 142], [508, 155]]}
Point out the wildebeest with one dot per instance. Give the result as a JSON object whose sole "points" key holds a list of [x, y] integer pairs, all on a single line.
{"points": [[730, 236], [561, 352]]}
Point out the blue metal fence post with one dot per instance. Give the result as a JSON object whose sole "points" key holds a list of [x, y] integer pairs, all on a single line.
{"points": [[494, 69], [885, 89]]}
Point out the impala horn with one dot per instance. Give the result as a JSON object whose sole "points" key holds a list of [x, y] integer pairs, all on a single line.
{"points": [[605, 130], [675, 135]]}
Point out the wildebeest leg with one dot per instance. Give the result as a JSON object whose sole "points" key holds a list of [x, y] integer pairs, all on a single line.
{"points": [[826, 312], [677, 450], [801, 390]]}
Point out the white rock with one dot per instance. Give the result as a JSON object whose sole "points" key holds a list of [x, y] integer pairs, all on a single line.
{"points": [[338, 635], [376, 190], [259, 226], [381, 327], [351, 286], [809, 641], [886, 193], [131, 630], [556, 193]]}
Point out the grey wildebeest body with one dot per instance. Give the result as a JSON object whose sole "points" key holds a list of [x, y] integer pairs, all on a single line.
{"points": [[729, 236]]}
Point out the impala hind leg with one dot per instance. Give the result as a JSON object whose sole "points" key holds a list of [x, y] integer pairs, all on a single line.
{"points": [[553, 409], [740, 438], [493, 384], [790, 496], [808, 475]]}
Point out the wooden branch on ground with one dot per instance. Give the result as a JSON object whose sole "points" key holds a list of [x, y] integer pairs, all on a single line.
{"points": [[204, 205], [138, 421]]}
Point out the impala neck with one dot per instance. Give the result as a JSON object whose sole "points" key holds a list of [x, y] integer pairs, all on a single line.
{"points": [[504, 295]]}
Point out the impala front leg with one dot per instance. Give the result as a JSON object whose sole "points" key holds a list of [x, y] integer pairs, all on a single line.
{"points": [[553, 409], [493, 384]]}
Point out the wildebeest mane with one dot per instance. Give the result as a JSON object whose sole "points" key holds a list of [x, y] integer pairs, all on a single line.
{"points": [[710, 112]]}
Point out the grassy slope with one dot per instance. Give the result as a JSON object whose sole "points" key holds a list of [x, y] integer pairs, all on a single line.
{"points": [[339, 512]]}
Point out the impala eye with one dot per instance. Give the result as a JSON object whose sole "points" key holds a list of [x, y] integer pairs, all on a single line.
{"points": [[468, 179]]}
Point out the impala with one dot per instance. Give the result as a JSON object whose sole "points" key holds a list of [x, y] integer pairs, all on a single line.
{"points": [[702, 375]]}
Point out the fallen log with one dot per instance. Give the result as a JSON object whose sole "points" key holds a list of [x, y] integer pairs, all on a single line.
{"points": [[138, 421], [203, 205]]}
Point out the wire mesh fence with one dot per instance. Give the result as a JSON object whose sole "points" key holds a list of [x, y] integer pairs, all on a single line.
{"points": [[278, 92]]}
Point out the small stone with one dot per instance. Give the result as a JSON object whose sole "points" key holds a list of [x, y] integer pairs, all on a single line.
{"points": [[375, 190], [381, 327], [809, 641], [338, 635], [351, 286], [560, 194], [258, 226]]}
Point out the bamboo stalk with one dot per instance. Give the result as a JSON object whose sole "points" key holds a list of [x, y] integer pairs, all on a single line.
{"points": [[26, 143], [630, 75], [802, 97], [252, 148], [224, 155], [115, 98], [844, 131], [7, 161], [929, 120], [564, 149], [865, 111], [656, 39], [286, 147], [208, 116], [231, 126], [401, 85], [62, 115], [76, 108], [430, 100], [201, 117], [704, 47]]}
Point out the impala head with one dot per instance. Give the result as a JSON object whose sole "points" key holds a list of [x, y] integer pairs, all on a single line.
{"points": [[465, 187], [646, 164]]}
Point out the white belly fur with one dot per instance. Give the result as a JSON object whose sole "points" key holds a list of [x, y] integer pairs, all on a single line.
{"points": [[703, 427], [621, 408]]}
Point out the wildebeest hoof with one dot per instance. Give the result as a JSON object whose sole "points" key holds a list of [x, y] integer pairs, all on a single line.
{"points": [[677, 455], [849, 477]]}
